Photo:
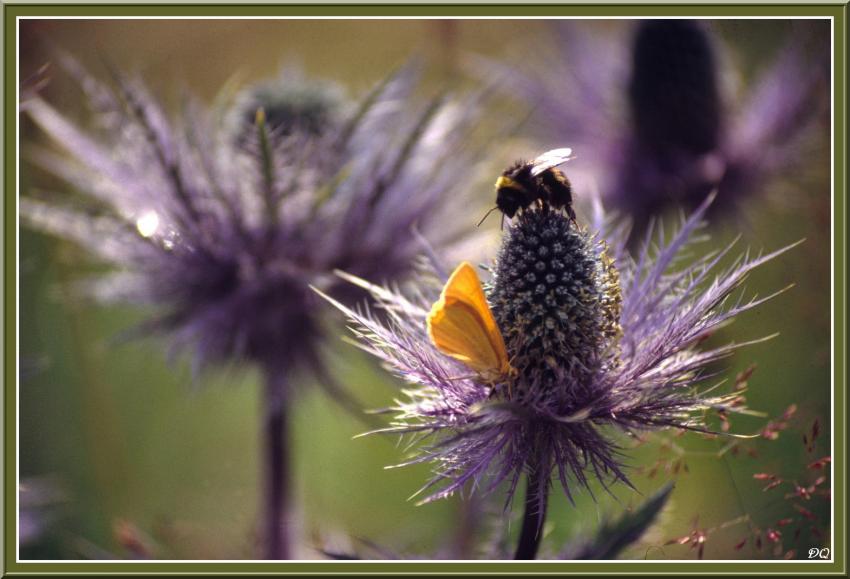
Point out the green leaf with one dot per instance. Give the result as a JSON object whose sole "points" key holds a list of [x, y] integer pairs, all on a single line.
{"points": [[614, 537]]}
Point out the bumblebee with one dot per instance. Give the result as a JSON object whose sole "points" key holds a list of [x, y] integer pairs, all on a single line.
{"points": [[537, 181]]}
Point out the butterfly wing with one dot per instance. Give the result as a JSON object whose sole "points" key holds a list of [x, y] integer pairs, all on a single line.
{"points": [[462, 326], [550, 159]]}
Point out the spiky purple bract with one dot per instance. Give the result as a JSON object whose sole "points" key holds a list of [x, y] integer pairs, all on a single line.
{"points": [[221, 223], [599, 340], [221, 218]]}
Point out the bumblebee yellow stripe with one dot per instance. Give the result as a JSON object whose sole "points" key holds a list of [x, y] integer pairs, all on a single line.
{"points": [[507, 182]]}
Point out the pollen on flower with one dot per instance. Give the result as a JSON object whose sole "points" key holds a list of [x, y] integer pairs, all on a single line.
{"points": [[556, 298]]}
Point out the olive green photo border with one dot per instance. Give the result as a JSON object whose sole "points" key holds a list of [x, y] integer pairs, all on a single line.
{"points": [[12, 11]]}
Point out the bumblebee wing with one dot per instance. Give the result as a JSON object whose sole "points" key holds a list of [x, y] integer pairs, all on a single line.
{"points": [[462, 326], [550, 159]]}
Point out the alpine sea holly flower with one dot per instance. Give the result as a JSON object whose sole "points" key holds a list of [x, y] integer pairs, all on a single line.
{"points": [[571, 336], [222, 227], [656, 100], [292, 103]]}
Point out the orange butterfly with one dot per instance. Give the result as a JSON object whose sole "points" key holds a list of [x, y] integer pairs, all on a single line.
{"points": [[462, 326]]}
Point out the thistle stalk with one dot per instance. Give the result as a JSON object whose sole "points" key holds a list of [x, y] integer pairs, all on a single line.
{"points": [[533, 517], [276, 459]]}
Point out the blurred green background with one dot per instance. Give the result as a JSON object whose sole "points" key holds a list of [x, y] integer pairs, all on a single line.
{"points": [[139, 447]]}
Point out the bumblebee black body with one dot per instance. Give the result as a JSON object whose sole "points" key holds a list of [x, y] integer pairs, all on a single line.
{"points": [[516, 189], [559, 191], [528, 182]]}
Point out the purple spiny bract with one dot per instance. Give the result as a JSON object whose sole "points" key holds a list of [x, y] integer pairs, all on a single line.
{"points": [[221, 222], [598, 338]]}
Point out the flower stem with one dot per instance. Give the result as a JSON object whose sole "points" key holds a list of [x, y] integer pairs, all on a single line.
{"points": [[536, 501], [276, 468]]}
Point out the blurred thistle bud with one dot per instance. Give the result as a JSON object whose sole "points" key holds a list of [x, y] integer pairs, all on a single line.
{"points": [[673, 92], [652, 107], [224, 238], [293, 103], [223, 235]]}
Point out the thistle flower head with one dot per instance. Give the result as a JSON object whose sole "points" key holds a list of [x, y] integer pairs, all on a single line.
{"points": [[673, 91], [293, 103], [556, 298], [657, 101], [222, 232], [597, 341]]}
